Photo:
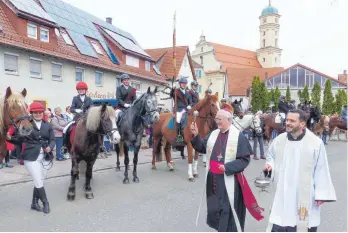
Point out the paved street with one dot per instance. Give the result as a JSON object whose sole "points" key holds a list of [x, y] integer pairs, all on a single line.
{"points": [[162, 201]]}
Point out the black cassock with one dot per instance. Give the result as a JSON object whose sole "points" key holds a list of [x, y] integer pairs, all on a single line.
{"points": [[220, 216]]}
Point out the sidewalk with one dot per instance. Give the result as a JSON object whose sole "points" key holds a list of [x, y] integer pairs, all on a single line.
{"points": [[18, 174]]}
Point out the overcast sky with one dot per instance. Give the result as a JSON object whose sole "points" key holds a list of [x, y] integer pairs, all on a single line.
{"points": [[312, 32]]}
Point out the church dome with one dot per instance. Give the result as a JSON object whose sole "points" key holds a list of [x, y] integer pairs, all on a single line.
{"points": [[269, 10]]}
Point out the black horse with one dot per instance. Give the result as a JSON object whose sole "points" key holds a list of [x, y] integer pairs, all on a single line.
{"points": [[131, 124], [86, 140], [312, 112]]}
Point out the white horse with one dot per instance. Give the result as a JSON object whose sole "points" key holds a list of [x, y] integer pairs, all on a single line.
{"points": [[247, 121]]}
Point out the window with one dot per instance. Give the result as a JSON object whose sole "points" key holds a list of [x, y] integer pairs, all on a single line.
{"points": [[264, 59], [199, 88], [201, 49], [44, 35], [293, 78], [56, 72], [276, 42], [264, 33], [11, 63], [277, 81], [263, 43], [285, 79], [118, 82], [96, 47], [147, 65], [309, 79], [198, 73], [317, 78], [275, 60], [79, 74], [334, 84], [132, 61], [98, 78], [265, 20], [32, 31], [201, 57], [301, 79], [137, 87], [35, 68], [276, 20], [67, 38]]}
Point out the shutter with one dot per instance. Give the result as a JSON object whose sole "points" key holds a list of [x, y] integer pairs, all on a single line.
{"points": [[56, 71], [35, 67], [11, 63]]}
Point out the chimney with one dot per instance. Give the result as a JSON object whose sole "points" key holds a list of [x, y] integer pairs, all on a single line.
{"points": [[109, 20]]}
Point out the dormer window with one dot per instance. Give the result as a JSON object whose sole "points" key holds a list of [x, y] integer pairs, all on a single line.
{"points": [[96, 47], [67, 38], [44, 35], [32, 31], [147, 65]]}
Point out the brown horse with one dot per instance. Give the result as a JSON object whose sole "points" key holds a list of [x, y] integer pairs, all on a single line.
{"points": [[13, 111], [269, 121], [319, 127], [207, 108], [336, 121]]}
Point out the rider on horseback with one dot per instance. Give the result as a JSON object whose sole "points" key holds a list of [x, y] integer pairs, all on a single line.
{"points": [[208, 91], [80, 105], [223, 101], [184, 101], [125, 94], [283, 109], [300, 105], [193, 93], [292, 105]]}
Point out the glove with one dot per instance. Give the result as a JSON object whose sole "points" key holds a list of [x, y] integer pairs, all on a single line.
{"points": [[126, 105], [78, 110], [189, 107]]}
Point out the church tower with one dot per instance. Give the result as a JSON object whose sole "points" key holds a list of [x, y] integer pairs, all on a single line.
{"points": [[269, 54]]}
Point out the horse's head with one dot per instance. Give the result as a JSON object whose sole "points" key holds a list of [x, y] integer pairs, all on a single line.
{"points": [[13, 111], [147, 107], [238, 109], [102, 119], [208, 108]]}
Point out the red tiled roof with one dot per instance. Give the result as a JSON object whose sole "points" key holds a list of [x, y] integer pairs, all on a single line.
{"points": [[11, 38], [164, 57], [240, 79], [231, 57]]}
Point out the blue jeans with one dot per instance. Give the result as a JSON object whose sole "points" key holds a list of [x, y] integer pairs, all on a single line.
{"points": [[59, 144], [324, 138], [107, 146]]}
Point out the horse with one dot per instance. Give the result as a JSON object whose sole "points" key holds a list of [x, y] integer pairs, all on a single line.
{"points": [[85, 139], [207, 109], [313, 114], [131, 125], [336, 122], [243, 121], [319, 127], [13, 111]]}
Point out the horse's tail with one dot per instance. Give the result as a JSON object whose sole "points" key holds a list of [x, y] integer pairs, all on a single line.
{"points": [[159, 150]]}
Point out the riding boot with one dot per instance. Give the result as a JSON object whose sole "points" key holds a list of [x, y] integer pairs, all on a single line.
{"points": [[43, 198], [35, 203]]}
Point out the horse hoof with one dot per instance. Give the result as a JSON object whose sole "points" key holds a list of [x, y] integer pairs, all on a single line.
{"points": [[89, 195], [118, 169], [191, 179], [136, 180], [125, 181], [171, 169], [195, 175], [71, 196]]}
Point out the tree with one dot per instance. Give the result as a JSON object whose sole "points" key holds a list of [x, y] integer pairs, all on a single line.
{"points": [[328, 100], [277, 95], [255, 94], [264, 97], [305, 93], [316, 95], [288, 94], [299, 94], [341, 99]]}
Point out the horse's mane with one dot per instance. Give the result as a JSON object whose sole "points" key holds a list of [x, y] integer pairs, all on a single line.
{"points": [[94, 117], [14, 98], [204, 101]]}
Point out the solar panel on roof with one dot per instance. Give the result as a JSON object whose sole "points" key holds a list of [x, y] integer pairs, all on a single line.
{"points": [[125, 42], [32, 8]]}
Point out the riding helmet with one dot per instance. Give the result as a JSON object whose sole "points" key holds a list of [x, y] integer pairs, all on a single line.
{"points": [[282, 97], [182, 79], [223, 100], [81, 86], [36, 107], [208, 91], [194, 83], [124, 76]]}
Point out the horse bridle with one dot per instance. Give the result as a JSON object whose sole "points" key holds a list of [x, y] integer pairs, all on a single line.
{"points": [[14, 122], [110, 132]]}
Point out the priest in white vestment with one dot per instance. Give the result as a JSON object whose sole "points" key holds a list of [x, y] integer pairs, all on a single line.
{"points": [[298, 163], [227, 190]]}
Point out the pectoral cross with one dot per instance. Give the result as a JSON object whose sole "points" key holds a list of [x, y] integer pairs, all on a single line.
{"points": [[219, 157]]}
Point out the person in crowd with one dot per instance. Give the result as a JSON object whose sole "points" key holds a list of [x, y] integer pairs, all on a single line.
{"points": [[344, 113], [68, 115], [36, 147], [48, 116], [10, 148], [298, 162], [58, 124], [258, 139]]}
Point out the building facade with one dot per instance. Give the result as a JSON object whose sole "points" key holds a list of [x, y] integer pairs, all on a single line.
{"points": [[48, 54]]}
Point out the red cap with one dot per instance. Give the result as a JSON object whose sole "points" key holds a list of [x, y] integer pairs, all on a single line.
{"points": [[36, 107]]}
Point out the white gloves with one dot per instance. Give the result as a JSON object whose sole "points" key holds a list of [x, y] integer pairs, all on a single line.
{"points": [[127, 105], [189, 107], [78, 110]]}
